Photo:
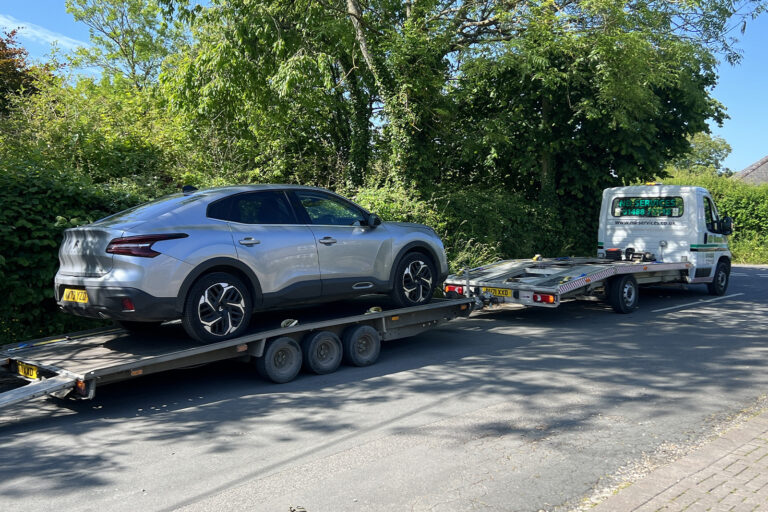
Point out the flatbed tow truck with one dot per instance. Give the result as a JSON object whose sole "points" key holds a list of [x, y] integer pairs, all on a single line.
{"points": [[74, 365], [648, 235]]}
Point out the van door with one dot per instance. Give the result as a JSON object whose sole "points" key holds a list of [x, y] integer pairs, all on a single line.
{"points": [[710, 244]]}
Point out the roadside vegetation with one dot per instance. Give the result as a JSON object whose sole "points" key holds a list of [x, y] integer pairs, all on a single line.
{"points": [[497, 123]]}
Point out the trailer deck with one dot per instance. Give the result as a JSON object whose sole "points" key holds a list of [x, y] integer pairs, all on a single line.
{"points": [[74, 364]]}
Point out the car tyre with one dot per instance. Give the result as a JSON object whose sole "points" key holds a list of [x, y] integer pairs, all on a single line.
{"points": [[361, 345], [281, 360], [719, 284], [415, 280], [623, 293], [218, 307], [322, 352]]}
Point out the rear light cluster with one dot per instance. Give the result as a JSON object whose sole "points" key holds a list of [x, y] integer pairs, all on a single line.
{"points": [[452, 288], [544, 297], [140, 245]]}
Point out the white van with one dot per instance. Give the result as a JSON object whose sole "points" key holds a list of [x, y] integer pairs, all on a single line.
{"points": [[668, 223]]}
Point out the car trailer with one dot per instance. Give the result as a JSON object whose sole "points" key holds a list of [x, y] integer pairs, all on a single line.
{"points": [[546, 282], [74, 365]]}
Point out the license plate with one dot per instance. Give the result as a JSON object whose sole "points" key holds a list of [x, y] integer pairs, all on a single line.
{"points": [[72, 295], [499, 292], [26, 370]]}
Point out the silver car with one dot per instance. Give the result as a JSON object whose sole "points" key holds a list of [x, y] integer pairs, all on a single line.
{"points": [[212, 257]]}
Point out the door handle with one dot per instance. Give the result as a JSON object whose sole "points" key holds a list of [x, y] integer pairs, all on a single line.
{"points": [[249, 241], [328, 240]]}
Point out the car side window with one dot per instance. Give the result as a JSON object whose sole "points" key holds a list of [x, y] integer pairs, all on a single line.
{"points": [[266, 207], [330, 211]]}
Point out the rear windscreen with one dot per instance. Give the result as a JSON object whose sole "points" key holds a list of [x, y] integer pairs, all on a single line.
{"points": [[647, 207]]}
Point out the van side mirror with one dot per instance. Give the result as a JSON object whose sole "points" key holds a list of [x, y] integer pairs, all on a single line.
{"points": [[374, 220], [725, 226]]}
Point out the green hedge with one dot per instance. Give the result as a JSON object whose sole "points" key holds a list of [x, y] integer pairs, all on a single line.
{"points": [[747, 204], [37, 206]]}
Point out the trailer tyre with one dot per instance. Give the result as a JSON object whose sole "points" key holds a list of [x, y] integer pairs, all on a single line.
{"points": [[623, 293], [281, 360], [218, 307], [415, 280], [361, 345], [719, 283], [322, 352]]}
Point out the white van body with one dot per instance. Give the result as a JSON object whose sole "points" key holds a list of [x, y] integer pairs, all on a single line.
{"points": [[674, 223]]}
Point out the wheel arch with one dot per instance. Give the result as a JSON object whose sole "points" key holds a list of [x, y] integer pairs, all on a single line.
{"points": [[413, 247], [229, 265]]}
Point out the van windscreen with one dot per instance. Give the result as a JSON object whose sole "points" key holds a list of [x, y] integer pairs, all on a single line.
{"points": [[647, 207]]}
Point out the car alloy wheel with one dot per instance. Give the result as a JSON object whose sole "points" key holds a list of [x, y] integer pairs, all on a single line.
{"points": [[221, 309], [417, 281]]}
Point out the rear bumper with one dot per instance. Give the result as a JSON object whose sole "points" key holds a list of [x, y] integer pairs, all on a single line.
{"points": [[107, 302]]}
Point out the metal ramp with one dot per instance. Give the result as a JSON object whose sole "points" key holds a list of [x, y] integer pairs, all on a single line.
{"points": [[36, 389]]}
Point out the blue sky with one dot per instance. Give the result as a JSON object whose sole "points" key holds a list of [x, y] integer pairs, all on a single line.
{"points": [[742, 88]]}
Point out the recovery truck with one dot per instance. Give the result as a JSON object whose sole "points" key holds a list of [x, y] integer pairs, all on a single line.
{"points": [[318, 339], [648, 234]]}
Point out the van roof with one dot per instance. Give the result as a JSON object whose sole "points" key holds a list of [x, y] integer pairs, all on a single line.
{"points": [[653, 190]]}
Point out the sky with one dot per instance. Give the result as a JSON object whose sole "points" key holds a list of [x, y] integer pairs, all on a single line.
{"points": [[741, 88]]}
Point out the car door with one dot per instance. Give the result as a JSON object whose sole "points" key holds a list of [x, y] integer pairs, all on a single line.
{"points": [[271, 241], [353, 256], [714, 241]]}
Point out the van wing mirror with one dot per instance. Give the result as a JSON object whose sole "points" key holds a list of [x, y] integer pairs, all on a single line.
{"points": [[374, 220], [726, 226]]}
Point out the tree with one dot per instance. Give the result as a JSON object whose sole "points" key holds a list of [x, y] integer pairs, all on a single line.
{"points": [[705, 156], [129, 38], [15, 74]]}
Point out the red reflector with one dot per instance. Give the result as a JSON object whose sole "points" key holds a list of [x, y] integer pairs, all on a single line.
{"points": [[452, 288], [128, 305], [544, 297], [140, 245]]}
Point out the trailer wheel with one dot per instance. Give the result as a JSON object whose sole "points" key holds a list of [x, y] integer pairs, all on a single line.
{"points": [[362, 345], [719, 283], [322, 352], [281, 360], [623, 293], [217, 307]]}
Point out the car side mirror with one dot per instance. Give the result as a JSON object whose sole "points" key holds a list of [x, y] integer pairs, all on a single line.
{"points": [[726, 226], [374, 220]]}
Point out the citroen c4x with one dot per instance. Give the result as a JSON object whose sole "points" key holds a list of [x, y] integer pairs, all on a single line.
{"points": [[212, 257]]}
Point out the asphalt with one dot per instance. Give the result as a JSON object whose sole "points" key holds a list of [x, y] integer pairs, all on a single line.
{"points": [[508, 410]]}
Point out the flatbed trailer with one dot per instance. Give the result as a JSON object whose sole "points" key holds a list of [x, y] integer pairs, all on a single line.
{"points": [[75, 364], [546, 282]]}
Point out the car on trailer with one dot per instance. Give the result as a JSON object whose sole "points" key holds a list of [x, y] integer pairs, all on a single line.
{"points": [[213, 257]]}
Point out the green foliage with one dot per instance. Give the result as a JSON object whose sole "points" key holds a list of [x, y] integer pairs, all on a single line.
{"points": [[705, 156], [37, 206], [16, 76], [746, 203], [129, 38]]}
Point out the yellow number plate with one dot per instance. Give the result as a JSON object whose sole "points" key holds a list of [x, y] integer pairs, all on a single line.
{"points": [[26, 370], [71, 295], [499, 292]]}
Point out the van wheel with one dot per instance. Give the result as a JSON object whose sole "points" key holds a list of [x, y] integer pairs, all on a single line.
{"points": [[415, 280], [719, 283], [218, 307], [623, 293]]}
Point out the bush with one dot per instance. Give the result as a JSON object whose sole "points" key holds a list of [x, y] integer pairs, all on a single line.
{"points": [[37, 206]]}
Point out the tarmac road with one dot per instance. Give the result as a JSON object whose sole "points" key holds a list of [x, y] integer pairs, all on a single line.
{"points": [[508, 410]]}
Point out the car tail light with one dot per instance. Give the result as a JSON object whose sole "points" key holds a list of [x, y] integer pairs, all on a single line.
{"points": [[452, 288], [544, 297], [140, 245], [128, 304]]}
